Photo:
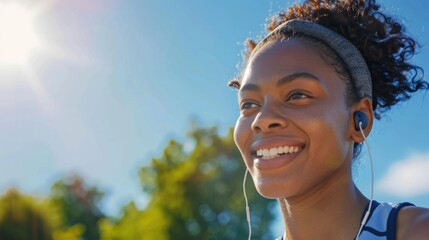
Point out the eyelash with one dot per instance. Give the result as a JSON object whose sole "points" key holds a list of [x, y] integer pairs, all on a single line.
{"points": [[300, 95], [245, 105], [296, 95]]}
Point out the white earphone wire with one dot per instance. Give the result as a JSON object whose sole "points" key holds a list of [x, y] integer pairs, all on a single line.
{"points": [[247, 205], [365, 219]]}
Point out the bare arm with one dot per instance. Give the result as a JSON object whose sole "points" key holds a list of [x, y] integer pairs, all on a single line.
{"points": [[413, 223]]}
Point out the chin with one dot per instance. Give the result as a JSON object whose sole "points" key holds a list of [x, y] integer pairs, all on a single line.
{"points": [[271, 190]]}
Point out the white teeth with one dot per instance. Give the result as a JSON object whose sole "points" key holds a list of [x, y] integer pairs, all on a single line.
{"points": [[265, 152], [286, 149], [274, 152]]}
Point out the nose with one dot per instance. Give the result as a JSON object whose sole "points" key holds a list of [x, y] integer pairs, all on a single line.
{"points": [[269, 119]]}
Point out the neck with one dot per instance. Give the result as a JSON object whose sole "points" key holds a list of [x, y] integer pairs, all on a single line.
{"points": [[332, 210]]}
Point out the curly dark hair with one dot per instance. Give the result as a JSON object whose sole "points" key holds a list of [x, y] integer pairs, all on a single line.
{"points": [[381, 39]]}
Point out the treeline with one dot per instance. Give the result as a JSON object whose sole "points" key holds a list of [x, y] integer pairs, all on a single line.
{"points": [[195, 193]]}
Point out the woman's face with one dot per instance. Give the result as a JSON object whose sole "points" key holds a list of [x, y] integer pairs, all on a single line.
{"points": [[294, 124]]}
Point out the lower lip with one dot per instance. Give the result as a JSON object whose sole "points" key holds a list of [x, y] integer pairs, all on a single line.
{"points": [[276, 162]]}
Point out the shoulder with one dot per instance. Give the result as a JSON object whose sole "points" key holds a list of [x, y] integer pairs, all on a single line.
{"points": [[413, 223]]}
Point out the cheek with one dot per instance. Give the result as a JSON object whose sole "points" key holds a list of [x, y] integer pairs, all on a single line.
{"points": [[242, 134], [328, 135]]}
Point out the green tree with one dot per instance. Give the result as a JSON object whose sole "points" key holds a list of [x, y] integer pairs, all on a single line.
{"points": [[24, 217], [195, 191], [78, 205]]}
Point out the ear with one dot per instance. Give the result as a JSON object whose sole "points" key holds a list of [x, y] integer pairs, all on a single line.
{"points": [[365, 106]]}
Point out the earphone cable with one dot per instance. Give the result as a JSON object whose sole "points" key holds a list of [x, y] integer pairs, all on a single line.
{"points": [[365, 219], [247, 205]]}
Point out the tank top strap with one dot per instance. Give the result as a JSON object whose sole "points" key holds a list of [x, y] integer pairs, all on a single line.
{"points": [[392, 220], [381, 224]]}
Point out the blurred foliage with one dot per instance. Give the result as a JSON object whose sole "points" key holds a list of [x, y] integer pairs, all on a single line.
{"points": [[70, 212], [194, 188], [74, 232], [78, 205], [25, 217], [195, 191]]}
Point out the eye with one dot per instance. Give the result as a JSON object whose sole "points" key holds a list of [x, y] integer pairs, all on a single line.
{"points": [[298, 98], [297, 95], [248, 105]]}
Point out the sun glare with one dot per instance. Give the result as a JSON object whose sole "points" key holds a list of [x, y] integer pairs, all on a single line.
{"points": [[17, 34]]}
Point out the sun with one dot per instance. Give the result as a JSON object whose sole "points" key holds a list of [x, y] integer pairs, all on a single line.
{"points": [[18, 38]]}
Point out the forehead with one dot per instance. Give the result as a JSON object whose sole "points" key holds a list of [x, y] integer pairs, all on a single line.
{"points": [[279, 58]]}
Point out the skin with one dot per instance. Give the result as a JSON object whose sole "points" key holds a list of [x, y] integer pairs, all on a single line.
{"points": [[289, 96]]}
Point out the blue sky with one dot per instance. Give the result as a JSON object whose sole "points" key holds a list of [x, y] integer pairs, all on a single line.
{"points": [[115, 80]]}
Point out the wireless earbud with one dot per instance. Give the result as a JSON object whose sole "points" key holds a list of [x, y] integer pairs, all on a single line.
{"points": [[359, 116]]}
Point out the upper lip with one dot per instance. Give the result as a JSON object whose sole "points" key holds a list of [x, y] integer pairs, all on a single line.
{"points": [[267, 143]]}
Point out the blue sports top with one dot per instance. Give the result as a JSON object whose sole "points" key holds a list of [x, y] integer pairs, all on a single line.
{"points": [[381, 224]]}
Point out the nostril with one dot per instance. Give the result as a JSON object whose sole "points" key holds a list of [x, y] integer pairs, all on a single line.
{"points": [[256, 128], [261, 127], [268, 121]]}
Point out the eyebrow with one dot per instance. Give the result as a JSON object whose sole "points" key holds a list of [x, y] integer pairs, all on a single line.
{"points": [[282, 81]]}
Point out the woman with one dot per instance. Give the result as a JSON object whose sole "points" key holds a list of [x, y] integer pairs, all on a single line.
{"points": [[308, 96]]}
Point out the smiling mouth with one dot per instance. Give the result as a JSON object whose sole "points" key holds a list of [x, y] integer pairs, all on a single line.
{"points": [[268, 153]]}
